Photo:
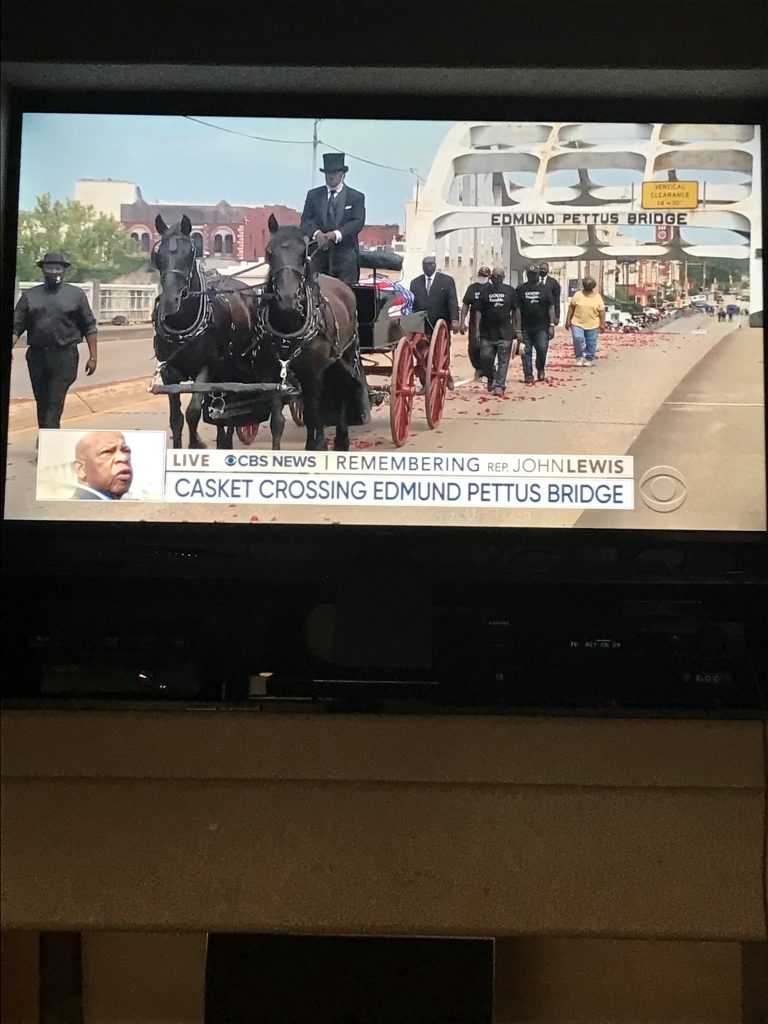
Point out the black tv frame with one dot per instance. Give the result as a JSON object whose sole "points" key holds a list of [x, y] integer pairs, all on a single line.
{"points": [[269, 548]]}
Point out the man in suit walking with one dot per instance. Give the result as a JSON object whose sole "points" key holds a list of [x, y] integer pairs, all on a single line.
{"points": [[333, 217], [435, 294], [554, 286]]}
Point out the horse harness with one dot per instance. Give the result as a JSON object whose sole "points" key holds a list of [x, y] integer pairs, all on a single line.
{"points": [[316, 321], [207, 294]]}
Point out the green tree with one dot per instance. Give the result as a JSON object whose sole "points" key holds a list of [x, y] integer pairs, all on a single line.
{"points": [[724, 269], [96, 243]]}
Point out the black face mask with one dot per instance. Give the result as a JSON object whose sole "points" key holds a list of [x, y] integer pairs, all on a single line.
{"points": [[496, 281], [52, 279], [589, 287], [532, 275]]}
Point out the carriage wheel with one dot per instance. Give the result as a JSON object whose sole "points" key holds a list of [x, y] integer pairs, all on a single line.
{"points": [[438, 370], [401, 391], [247, 433], [296, 406]]}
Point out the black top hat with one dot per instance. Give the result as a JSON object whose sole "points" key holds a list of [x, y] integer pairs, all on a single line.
{"points": [[333, 162], [56, 256]]}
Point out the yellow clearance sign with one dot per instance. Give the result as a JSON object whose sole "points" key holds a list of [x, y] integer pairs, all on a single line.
{"points": [[670, 195]]}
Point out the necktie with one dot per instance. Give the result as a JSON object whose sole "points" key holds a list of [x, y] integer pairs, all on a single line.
{"points": [[429, 284], [331, 209]]}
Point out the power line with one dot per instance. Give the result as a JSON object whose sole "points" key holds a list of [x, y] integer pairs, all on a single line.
{"points": [[245, 135], [373, 163], [304, 142]]}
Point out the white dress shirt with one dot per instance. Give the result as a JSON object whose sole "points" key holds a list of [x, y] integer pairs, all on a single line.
{"points": [[332, 192]]}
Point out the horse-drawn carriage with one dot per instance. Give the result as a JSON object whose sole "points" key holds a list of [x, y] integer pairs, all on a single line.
{"points": [[246, 387], [397, 346]]}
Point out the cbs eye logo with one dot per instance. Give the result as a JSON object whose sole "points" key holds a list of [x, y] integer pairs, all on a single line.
{"points": [[663, 488]]}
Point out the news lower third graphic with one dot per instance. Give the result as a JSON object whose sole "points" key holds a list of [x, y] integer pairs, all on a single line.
{"points": [[136, 465], [450, 480]]}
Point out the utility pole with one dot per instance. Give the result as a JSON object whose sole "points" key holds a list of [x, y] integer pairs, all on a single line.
{"points": [[314, 152], [474, 232]]}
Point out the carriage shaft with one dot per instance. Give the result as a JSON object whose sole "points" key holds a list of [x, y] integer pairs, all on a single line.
{"points": [[231, 386]]}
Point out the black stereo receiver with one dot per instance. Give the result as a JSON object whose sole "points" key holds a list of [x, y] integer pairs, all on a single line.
{"points": [[601, 651]]}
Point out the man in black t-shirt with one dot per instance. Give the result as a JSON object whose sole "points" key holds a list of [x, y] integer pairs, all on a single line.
{"points": [[56, 317], [497, 318], [537, 311], [469, 306]]}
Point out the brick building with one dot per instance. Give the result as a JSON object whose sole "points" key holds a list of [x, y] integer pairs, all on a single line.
{"points": [[239, 232], [225, 231], [380, 236]]}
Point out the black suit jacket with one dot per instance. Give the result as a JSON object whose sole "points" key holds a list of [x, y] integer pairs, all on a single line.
{"points": [[555, 288], [350, 215], [87, 494], [441, 303]]}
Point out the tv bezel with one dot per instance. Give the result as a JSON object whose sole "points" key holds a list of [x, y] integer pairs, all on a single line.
{"points": [[154, 89]]}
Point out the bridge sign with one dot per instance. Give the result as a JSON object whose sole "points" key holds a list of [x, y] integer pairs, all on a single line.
{"points": [[670, 195]]}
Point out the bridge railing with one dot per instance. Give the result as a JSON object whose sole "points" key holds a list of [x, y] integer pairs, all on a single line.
{"points": [[107, 301]]}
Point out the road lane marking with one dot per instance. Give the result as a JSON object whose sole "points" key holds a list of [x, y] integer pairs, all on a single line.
{"points": [[722, 405]]}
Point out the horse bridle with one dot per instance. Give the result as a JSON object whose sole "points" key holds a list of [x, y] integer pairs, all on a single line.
{"points": [[186, 274], [205, 311], [300, 291], [302, 274]]}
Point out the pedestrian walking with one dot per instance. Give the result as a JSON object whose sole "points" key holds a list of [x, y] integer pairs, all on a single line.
{"points": [[56, 317], [585, 320]]}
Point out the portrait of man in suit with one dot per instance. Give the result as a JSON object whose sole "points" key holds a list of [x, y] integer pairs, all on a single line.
{"points": [[334, 216], [102, 466], [435, 294]]}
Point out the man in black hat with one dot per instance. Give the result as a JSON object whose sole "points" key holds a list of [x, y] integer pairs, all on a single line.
{"points": [[334, 215], [56, 317]]}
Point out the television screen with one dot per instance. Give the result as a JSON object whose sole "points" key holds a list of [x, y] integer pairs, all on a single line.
{"points": [[388, 323]]}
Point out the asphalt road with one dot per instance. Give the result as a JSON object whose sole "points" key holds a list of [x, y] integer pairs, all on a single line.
{"points": [[609, 410], [123, 354], [706, 432]]}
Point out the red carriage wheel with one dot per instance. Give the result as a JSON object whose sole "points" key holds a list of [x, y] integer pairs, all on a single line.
{"points": [[297, 411], [247, 432], [401, 391], [438, 371]]}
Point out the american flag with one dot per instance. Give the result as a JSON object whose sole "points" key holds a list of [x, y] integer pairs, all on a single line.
{"points": [[405, 303]]}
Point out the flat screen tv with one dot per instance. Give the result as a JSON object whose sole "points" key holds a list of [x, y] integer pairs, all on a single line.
{"points": [[625, 393]]}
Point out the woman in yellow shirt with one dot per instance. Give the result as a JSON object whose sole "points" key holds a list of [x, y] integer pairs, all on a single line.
{"points": [[585, 320]]}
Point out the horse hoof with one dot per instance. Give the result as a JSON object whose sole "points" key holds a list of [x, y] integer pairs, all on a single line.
{"points": [[197, 444]]}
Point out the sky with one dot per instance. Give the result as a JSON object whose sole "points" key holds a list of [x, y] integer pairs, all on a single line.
{"points": [[175, 159], [178, 160]]}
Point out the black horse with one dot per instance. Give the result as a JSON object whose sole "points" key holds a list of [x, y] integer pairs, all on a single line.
{"points": [[311, 325], [197, 325]]}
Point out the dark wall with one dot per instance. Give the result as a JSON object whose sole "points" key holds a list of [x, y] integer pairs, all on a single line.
{"points": [[605, 33]]}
